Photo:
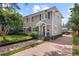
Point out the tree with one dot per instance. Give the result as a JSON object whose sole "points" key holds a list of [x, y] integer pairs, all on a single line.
{"points": [[4, 22], [17, 22], [74, 18], [9, 21]]}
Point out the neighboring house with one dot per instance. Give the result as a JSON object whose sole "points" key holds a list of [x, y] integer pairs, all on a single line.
{"points": [[46, 22]]}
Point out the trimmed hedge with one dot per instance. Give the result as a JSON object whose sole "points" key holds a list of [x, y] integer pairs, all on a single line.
{"points": [[34, 35]]}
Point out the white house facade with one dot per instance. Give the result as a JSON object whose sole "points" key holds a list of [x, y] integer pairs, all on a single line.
{"points": [[46, 22]]}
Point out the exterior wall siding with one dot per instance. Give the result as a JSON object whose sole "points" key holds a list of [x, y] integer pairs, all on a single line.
{"points": [[56, 24]]}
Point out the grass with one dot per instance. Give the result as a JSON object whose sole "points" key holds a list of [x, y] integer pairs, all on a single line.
{"points": [[75, 40], [75, 45], [75, 51], [15, 37], [22, 48]]}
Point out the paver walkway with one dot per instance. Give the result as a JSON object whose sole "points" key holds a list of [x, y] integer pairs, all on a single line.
{"points": [[59, 47]]}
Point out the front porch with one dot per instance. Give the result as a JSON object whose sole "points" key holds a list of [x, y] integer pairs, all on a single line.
{"points": [[44, 29]]}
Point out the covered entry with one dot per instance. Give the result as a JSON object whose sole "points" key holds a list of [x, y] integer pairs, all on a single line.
{"points": [[43, 28]]}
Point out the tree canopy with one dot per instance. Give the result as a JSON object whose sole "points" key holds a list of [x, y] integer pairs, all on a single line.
{"points": [[74, 17], [10, 21]]}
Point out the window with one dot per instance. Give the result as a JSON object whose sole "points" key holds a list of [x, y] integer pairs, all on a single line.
{"points": [[49, 15], [37, 28], [40, 16]]}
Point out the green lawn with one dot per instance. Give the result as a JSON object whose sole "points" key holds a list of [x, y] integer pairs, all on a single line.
{"points": [[75, 45], [16, 37], [75, 40]]}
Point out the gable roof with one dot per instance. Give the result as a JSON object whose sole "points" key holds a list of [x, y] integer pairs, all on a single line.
{"points": [[54, 8]]}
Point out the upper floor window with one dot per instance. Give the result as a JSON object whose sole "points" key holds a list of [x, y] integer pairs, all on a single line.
{"points": [[40, 16], [49, 15]]}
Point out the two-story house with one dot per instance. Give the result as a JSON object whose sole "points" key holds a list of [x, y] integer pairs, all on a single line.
{"points": [[46, 22]]}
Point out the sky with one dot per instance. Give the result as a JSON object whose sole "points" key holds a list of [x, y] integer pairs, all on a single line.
{"points": [[31, 8]]}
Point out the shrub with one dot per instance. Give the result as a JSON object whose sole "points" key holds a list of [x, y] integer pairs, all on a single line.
{"points": [[34, 35]]}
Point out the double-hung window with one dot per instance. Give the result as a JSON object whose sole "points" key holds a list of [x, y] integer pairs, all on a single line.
{"points": [[40, 16], [49, 15]]}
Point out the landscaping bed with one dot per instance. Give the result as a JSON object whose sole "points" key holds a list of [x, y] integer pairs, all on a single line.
{"points": [[14, 39]]}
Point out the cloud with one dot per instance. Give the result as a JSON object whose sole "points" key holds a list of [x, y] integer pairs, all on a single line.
{"points": [[37, 8], [69, 11], [72, 6], [65, 20], [68, 15], [44, 7]]}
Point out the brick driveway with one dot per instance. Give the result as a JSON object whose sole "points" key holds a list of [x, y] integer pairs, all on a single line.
{"points": [[59, 47]]}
